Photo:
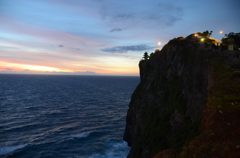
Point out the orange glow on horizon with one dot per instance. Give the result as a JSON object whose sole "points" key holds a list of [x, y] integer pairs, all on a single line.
{"points": [[40, 68], [35, 69], [119, 71]]}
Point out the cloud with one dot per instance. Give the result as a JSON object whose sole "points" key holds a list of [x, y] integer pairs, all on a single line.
{"points": [[125, 49], [6, 69], [153, 14], [86, 72], [116, 30], [60, 45], [124, 16], [97, 0]]}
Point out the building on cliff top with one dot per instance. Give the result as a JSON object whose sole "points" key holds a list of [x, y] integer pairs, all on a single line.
{"points": [[233, 51]]}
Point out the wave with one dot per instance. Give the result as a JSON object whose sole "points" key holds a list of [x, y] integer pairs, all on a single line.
{"points": [[115, 150], [7, 149], [81, 136]]}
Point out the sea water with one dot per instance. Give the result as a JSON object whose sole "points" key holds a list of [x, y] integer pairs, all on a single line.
{"points": [[51, 116]]}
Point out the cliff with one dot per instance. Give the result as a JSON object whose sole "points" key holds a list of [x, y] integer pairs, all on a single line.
{"points": [[184, 105]]}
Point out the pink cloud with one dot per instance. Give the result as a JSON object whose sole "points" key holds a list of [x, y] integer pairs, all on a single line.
{"points": [[40, 47], [24, 28]]}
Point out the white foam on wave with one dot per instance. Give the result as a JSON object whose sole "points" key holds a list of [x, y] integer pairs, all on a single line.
{"points": [[8, 149], [115, 150], [81, 136]]}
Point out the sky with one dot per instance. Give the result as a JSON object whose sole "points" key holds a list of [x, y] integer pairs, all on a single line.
{"points": [[106, 37]]}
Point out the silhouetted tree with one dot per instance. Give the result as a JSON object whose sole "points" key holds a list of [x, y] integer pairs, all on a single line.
{"points": [[235, 36], [210, 33], [206, 34], [145, 56]]}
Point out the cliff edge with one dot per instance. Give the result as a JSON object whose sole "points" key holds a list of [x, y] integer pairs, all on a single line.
{"points": [[184, 105]]}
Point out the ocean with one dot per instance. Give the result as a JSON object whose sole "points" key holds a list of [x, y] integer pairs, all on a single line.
{"points": [[54, 116]]}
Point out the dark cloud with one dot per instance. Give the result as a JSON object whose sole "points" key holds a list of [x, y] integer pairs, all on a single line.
{"points": [[97, 0], [116, 30], [153, 15], [125, 49], [6, 69], [124, 16], [163, 21], [166, 15], [60, 45]]}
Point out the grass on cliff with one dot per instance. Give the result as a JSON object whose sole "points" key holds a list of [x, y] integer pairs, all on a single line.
{"points": [[226, 90], [221, 119]]}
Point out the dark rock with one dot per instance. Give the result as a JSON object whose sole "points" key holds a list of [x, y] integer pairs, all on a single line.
{"points": [[165, 109]]}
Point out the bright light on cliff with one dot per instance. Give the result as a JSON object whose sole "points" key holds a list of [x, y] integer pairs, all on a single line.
{"points": [[202, 39], [159, 43]]}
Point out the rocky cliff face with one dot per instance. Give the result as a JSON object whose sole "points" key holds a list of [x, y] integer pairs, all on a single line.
{"points": [[165, 111]]}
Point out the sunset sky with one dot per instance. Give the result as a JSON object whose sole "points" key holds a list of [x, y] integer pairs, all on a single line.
{"points": [[101, 36]]}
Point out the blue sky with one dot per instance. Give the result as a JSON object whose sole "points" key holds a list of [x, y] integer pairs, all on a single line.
{"points": [[101, 36]]}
